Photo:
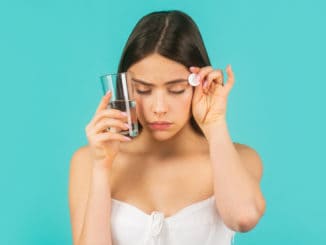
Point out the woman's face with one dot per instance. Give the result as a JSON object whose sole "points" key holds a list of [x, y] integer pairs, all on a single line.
{"points": [[163, 95]]}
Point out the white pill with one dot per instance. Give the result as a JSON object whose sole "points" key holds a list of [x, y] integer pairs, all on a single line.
{"points": [[193, 79]]}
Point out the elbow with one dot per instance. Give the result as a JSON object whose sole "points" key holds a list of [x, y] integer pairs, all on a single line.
{"points": [[246, 223], [249, 219]]}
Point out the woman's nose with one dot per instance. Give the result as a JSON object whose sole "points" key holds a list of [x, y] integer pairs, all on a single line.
{"points": [[159, 104]]}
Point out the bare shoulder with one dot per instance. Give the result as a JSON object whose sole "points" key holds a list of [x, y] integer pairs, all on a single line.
{"points": [[79, 179], [81, 157], [243, 147], [251, 159], [80, 168]]}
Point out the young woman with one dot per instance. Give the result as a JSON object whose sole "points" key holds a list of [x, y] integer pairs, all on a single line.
{"points": [[181, 181]]}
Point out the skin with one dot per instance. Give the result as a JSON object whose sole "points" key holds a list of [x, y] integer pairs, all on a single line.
{"points": [[163, 104], [170, 169], [166, 156]]}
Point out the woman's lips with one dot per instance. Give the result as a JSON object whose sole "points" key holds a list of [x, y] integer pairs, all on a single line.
{"points": [[160, 125]]}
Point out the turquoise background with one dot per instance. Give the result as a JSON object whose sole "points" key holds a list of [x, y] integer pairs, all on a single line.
{"points": [[53, 52]]}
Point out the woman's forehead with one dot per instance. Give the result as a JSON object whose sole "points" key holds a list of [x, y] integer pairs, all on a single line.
{"points": [[158, 69], [137, 80]]}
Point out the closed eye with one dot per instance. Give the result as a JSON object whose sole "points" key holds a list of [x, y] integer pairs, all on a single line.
{"points": [[149, 91], [142, 92], [177, 92]]}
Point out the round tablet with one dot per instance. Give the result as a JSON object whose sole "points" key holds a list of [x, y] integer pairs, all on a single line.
{"points": [[193, 79]]}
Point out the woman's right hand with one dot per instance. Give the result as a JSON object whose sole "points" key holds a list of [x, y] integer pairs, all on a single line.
{"points": [[105, 144]]}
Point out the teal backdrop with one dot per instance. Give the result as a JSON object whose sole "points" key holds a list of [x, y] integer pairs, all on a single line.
{"points": [[53, 52]]}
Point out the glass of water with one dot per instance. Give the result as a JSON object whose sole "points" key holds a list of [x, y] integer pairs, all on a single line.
{"points": [[122, 98]]}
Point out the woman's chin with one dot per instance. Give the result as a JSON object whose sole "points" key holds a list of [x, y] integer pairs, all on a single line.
{"points": [[162, 135]]}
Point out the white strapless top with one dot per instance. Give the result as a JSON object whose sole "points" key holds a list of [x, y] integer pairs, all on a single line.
{"points": [[196, 224]]}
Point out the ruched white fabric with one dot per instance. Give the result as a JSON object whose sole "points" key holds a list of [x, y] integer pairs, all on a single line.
{"points": [[196, 224]]}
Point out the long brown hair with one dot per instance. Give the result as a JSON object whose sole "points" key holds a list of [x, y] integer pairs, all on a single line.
{"points": [[172, 34]]}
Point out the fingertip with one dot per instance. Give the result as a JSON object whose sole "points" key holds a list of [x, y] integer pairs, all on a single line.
{"points": [[228, 69], [193, 68], [127, 138], [107, 95]]}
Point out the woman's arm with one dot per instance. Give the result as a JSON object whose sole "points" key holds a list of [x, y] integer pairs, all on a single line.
{"points": [[237, 173], [89, 200]]}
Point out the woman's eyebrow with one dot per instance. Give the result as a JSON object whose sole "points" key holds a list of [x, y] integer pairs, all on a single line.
{"points": [[179, 80]]}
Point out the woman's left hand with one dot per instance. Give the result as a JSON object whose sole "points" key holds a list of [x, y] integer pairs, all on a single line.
{"points": [[210, 97]]}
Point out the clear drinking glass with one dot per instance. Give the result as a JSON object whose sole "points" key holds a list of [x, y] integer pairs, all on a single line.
{"points": [[122, 98]]}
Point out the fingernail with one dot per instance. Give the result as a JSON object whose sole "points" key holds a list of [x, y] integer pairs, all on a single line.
{"points": [[205, 84], [124, 113], [108, 92], [127, 138], [126, 124]]}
